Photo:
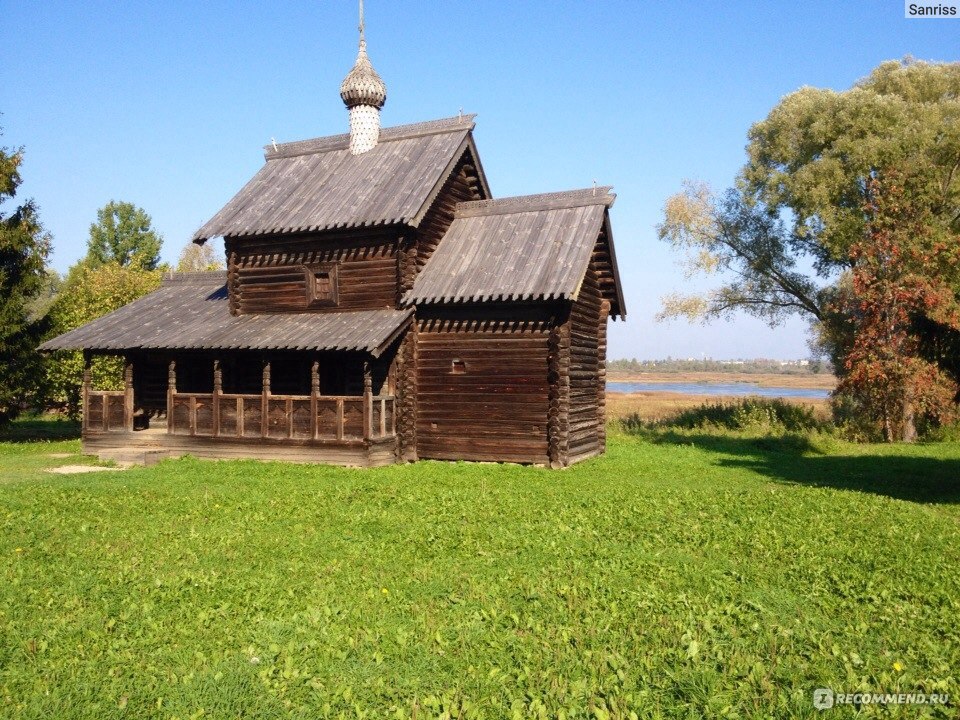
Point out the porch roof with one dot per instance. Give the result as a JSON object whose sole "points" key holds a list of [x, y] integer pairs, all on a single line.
{"points": [[191, 311]]}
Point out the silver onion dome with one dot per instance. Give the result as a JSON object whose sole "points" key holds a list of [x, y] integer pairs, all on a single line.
{"points": [[362, 85]]}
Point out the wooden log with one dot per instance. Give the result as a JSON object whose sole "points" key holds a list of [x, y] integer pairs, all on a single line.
{"points": [[171, 391], [215, 400], [127, 394], [85, 391], [265, 402], [314, 395], [367, 402]]}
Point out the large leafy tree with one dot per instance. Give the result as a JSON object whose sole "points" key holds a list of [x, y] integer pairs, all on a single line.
{"points": [[88, 293], [124, 234], [24, 248], [790, 236]]}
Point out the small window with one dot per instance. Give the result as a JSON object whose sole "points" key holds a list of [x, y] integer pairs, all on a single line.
{"points": [[322, 285], [458, 367]]}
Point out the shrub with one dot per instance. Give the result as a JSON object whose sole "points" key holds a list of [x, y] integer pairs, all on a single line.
{"points": [[752, 413]]}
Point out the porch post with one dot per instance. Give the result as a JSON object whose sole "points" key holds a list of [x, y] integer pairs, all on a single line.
{"points": [[217, 389], [85, 391], [171, 391], [314, 397], [367, 401], [265, 400], [127, 393]]}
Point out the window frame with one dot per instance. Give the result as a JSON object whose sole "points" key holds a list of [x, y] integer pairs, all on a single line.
{"points": [[332, 269]]}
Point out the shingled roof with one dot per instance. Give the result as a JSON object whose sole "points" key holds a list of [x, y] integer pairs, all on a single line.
{"points": [[317, 184], [191, 311], [533, 247]]}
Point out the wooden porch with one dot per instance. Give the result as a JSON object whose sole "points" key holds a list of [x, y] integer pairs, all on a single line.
{"points": [[337, 429]]}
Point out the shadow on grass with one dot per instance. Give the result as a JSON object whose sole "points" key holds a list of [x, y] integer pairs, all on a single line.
{"points": [[795, 459], [40, 430]]}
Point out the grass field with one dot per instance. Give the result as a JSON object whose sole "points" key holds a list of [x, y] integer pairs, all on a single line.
{"points": [[683, 575]]}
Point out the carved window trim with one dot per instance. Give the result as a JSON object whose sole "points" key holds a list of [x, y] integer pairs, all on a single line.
{"points": [[316, 297]]}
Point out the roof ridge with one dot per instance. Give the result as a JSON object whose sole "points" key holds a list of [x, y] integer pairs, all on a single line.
{"points": [[342, 141], [600, 195]]}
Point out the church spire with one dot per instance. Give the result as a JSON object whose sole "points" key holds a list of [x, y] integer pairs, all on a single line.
{"points": [[364, 93]]}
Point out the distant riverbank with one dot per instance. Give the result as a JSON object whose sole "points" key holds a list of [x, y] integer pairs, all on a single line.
{"points": [[661, 402]]}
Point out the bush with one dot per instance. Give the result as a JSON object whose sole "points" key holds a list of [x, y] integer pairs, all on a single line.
{"points": [[752, 413]]}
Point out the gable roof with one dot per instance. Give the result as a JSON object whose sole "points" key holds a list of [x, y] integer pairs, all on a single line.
{"points": [[191, 311], [317, 184], [532, 247]]}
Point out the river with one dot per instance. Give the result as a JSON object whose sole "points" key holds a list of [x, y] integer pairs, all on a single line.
{"points": [[712, 388]]}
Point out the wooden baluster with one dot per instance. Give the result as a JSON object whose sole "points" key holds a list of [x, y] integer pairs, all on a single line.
{"points": [[127, 394], [85, 391], [340, 418], [314, 398], [265, 402], [240, 417], [289, 410], [193, 414], [383, 416], [171, 391], [217, 390], [367, 402]]}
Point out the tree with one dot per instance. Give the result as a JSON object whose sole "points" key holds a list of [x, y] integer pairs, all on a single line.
{"points": [[123, 234], [199, 258], [24, 248], [884, 372], [805, 199], [88, 293]]}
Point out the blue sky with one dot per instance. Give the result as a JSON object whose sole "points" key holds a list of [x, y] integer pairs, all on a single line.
{"points": [[168, 105]]}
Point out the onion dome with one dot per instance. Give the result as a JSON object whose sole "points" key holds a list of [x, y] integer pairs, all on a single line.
{"points": [[362, 85]]}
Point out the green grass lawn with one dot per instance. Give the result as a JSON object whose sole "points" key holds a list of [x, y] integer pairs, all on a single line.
{"points": [[683, 575]]}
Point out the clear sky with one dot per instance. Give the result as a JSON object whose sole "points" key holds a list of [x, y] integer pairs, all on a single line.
{"points": [[168, 104]]}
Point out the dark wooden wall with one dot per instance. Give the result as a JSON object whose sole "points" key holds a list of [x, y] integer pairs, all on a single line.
{"points": [[266, 274], [481, 386], [584, 424]]}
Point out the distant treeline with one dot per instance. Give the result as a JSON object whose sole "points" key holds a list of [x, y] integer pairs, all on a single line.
{"points": [[757, 365]]}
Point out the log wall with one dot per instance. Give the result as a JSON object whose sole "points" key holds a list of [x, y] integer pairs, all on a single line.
{"points": [[584, 424], [267, 274], [482, 389]]}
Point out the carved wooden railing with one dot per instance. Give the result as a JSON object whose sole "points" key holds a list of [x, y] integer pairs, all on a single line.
{"points": [[282, 417], [105, 411]]}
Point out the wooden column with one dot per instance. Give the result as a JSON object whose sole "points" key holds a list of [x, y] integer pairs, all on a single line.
{"points": [[314, 397], [85, 391], [171, 391], [265, 402], [127, 394], [217, 391], [367, 401]]}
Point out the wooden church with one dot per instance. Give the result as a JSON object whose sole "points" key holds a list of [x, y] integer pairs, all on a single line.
{"points": [[378, 306]]}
